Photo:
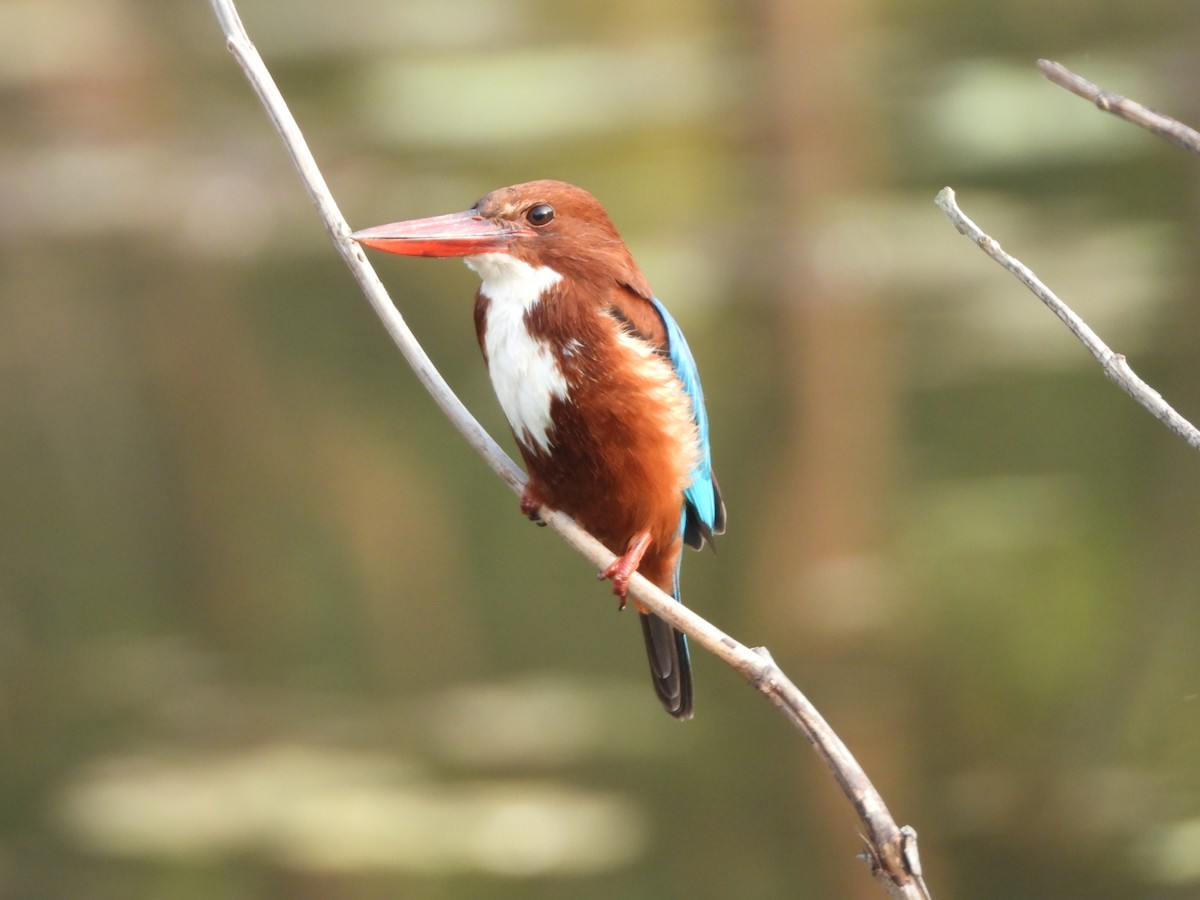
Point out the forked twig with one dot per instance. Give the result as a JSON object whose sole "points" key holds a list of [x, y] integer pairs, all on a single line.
{"points": [[891, 851]]}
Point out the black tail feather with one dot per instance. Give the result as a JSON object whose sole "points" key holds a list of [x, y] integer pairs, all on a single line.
{"points": [[670, 667]]}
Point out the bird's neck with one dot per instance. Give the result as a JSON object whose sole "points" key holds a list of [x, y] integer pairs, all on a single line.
{"points": [[509, 280]]}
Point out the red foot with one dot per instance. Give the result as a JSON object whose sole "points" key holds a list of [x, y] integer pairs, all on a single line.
{"points": [[531, 503], [622, 568]]}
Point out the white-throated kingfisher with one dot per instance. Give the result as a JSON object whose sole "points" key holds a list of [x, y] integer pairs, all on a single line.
{"points": [[596, 381]]}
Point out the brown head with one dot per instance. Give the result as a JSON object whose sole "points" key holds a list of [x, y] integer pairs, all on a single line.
{"points": [[543, 223]]}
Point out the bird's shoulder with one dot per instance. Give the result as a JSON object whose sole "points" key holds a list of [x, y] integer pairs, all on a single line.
{"points": [[637, 315]]}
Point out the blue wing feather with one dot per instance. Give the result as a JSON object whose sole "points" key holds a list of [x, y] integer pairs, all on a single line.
{"points": [[703, 509]]}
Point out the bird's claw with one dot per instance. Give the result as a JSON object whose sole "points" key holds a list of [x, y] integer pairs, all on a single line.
{"points": [[620, 579], [621, 569], [531, 506]]}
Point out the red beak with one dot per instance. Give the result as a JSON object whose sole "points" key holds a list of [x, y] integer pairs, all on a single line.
{"points": [[456, 234]]}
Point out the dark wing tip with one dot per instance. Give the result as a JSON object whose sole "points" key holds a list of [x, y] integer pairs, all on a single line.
{"points": [[697, 532], [718, 525]]}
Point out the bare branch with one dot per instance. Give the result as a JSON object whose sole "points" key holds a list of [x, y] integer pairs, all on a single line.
{"points": [[1114, 364], [891, 851], [1129, 110]]}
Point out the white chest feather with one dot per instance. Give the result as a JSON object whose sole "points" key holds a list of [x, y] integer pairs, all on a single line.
{"points": [[525, 374]]}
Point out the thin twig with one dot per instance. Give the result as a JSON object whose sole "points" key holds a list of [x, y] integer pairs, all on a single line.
{"points": [[1129, 110], [891, 851], [1114, 364]]}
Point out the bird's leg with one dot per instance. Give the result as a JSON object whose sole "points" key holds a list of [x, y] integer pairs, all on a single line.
{"points": [[530, 504], [621, 569]]}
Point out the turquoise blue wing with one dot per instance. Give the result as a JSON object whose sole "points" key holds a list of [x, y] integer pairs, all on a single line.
{"points": [[703, 509]]}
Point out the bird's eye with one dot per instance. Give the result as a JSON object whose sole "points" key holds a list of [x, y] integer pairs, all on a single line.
{"points": [[540, 214]]}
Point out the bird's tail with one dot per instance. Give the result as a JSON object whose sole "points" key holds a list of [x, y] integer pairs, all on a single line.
{"points": [[670, 666]]}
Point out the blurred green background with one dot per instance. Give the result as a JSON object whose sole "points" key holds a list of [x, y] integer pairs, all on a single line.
{"points": [[268, 629]]}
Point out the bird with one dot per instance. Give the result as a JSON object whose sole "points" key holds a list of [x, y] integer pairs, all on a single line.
{"points": [[597, 383]]}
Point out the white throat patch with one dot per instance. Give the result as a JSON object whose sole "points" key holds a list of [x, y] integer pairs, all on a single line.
{"points": [[525, 374]]}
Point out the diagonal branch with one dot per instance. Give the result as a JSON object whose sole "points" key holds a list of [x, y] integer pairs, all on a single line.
{"points": [[1114, 364], [891, 850], [1122, 107]]}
